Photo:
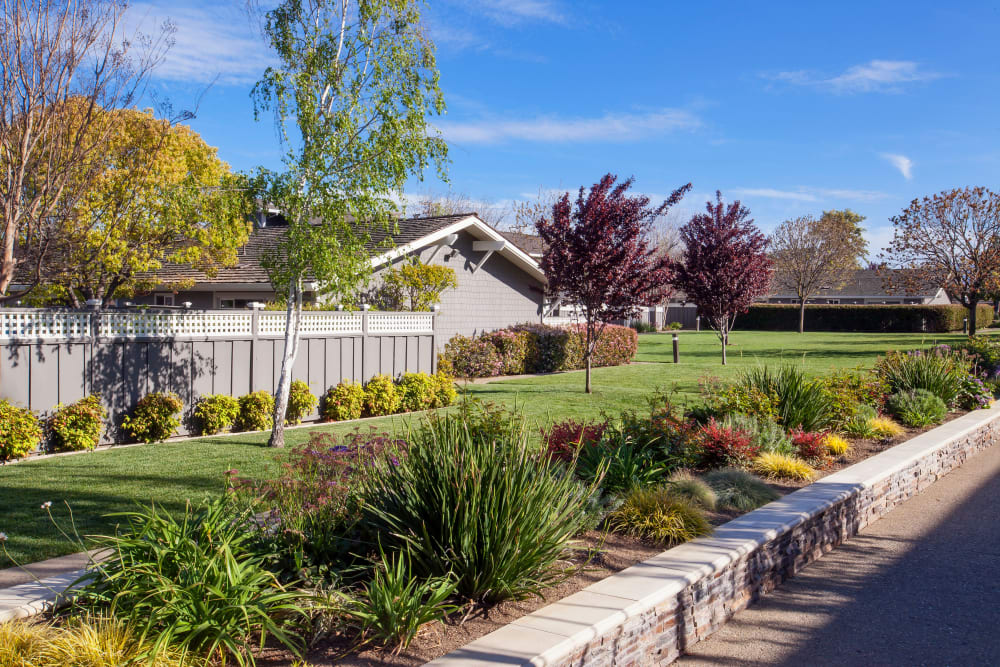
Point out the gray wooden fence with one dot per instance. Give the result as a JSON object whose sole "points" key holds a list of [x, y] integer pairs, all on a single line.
{"points": [[59, 356]]}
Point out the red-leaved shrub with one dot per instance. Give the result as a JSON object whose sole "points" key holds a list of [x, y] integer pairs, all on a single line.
{"points": [[563, 438], [724, 446], [809, 445]]}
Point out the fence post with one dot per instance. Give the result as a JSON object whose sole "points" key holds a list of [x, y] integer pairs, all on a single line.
{"points": [[677, 352]]}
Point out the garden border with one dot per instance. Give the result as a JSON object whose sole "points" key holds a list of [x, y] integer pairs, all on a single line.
{"points": [[649, 613]]}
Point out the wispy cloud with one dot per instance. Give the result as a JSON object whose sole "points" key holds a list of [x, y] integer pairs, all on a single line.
{"points": [[876, 76], [551, 129], [900, 162], [213, 42], [812, 194], [512, 12]]}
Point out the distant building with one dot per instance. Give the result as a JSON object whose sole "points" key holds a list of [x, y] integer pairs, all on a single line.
{"points": [[866, 286]]}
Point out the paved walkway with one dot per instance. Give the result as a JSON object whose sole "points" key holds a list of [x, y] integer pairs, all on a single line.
{"points": [[919, 587], [14, 576]]}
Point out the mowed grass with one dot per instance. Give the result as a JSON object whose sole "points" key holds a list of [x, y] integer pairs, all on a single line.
{"points": [[169, 474]]}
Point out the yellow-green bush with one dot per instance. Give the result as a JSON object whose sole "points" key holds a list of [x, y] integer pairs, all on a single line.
{"points": [[77, 426], [216, 413], [659, 515], [301, 402], [20, 432], [345, 400], [416, 392], [780, 466], [256, 411], [381, 396], [883, 427], [155, 418], [444, 389], [836, 445], [78, 643]]}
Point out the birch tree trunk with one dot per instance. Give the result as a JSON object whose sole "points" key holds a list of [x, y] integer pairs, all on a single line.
{"points": [[293, 315]]}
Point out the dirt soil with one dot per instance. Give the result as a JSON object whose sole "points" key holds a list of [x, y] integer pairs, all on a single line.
{"points": [[597, 556]]}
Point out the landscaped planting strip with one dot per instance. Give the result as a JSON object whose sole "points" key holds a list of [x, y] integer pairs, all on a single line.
{"points": [[648, 613]]}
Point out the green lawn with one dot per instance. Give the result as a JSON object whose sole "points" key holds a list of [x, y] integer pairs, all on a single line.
{"points": [[169, 474]]}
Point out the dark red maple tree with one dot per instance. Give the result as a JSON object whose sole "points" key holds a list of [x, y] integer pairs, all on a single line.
{"points": [[599, 255], [725, 264]]}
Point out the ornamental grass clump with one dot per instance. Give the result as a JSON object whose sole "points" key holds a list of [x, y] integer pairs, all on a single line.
{"points": [[779, 466], [884, 428], [800, 402], [835, 445], [155, 418], [917, 408], [191, 583], [484, 508], [692, 489], [939, 371], [216, 413], [739, 490], [659, 515], [77, 426], [764, 433]]}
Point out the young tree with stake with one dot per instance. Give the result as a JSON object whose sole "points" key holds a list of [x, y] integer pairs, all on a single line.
{"points": [[725, 264], [599, 255], [351, 92]]}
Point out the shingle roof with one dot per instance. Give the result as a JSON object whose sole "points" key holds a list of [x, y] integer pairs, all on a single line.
{"points": [[868, 283], [249, 270]]}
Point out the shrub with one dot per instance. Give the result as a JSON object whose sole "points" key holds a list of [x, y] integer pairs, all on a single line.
{"points": [[675, 326], [739, 490], [764, 433], [20, 431], [416, 392], [937, 371], [77, 426], [155, 418], [741, 398], [216, 413], [395, 604], [80, 642], [917, 408], [810, 446], [301, 401], [867, 317], [381, 397], [491, 512], [346, 400], [444, 389], [192, 583], [562, 439], [641, 326], [513, 348], [799, 402], [860, 425], [835, 445], [974, 394], [473, 357], [657, 514], [256, 411], [722, 446], [885, 428], [692, 489], [779, 466], [847, 391], [986, 351], [619, 467], [316, 498]]}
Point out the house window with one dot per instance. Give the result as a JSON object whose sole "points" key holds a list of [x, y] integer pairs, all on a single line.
{"points": [[834, 302], [234, 303], [163, 299]]}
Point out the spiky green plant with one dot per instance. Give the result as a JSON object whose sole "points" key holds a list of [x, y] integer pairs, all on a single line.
{"points": [[659, 515], [939, 372], [801, 402]]}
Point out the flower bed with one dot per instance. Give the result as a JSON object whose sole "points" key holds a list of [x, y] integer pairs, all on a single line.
{"points": [[386, 545]]}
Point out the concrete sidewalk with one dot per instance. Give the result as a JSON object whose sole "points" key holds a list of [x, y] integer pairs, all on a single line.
{"points": [[918, 587]]}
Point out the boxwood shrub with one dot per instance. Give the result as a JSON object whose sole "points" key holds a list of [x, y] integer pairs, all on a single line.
{"points": [[871, 317]]}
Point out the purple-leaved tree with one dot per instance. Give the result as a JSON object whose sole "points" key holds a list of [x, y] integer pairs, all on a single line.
{"points": [[725, 264], [599, 255]]}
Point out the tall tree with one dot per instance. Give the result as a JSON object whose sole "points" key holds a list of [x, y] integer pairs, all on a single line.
{"points": [[950, 239], [351, 91], [725, 264], [162, 195], [600, 258], [811, 255], [61, 62]]}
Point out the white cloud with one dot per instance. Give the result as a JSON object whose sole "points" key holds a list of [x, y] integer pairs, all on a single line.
{"points": [[212, 42], [900, 162], [874, 76], [510, 12], [812, 194], [549, 129]]}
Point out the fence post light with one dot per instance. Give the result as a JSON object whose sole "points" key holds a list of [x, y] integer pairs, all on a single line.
{"points": [[677, 352]]}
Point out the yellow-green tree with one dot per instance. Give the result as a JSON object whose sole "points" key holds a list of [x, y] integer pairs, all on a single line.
{"points": [[416, 285], [162, 196]]}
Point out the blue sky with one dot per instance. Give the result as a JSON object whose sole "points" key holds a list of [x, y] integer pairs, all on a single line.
{"points": [[791, 107]]}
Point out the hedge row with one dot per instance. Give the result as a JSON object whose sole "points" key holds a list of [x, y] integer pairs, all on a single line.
{"points": [[536, 348], [887, 318]]}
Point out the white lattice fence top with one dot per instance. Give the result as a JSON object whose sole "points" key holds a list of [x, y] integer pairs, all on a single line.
{"points": [[313, 324], [383, 323], [170, 325], [43, 325], [271, 324], [560, 321]]}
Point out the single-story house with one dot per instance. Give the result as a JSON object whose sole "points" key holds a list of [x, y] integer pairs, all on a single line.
{"points": [[867, 286], [499, 284]]}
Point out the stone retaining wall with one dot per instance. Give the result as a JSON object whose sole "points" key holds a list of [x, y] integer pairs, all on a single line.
{"points": [[649, 613]]}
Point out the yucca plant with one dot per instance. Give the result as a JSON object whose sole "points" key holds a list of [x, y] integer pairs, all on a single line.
{"points": [[192, 584], [395, 604], [478, 503], [802, 403], [739, 490]]}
